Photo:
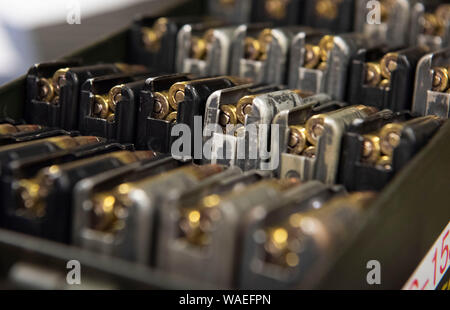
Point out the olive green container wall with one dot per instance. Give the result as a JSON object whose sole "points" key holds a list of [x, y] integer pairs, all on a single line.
{"points": [[404, 222]]}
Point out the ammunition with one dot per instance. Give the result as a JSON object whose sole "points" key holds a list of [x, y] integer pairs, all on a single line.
{"points": [[150, 39], [196, 98], [284, 244], [244, 107], [110, 118], [68, 142], [264, 38], [392, 15], [133, 210], [440, 79], [30, 204], [442, 14], [252, 48], [209, 39], [46, 90], [172, 117], [384, 10], [315, 124], [55, 100], [160, 25], [27, 127], [196, 223], [259, 54], [60, 142], [227, 115], [385, 162], [256, 49], [372, 74], [312, 56], [368, 110], [11, 129], [101, 105], [152, 36], [68, 95], [111, 208], [310, 152], [105, 105], [114, 96], [390, 137], [314, 128], [201, 226], [297, 139], [130, 69], [109, 212], [371, 148], [385, 83], [198, 48], [205, 50], [276, 8], [277, 243], [228, 3], [326, 44], [176, 94], [303, 93], [196, 220], [388, 64], [327, 9], [128, 157], [58, 79], [237, 80], [161, 107], [32, 193], [430, 24], [279, 246], [322, 66], [334, 78], [7, 129], [222, 109]]}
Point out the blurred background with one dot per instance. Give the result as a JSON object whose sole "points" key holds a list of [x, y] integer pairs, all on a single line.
{"points": [[35, 31]]}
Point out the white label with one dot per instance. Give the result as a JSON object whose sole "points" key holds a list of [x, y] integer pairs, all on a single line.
{"points": [[433, 267]]}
